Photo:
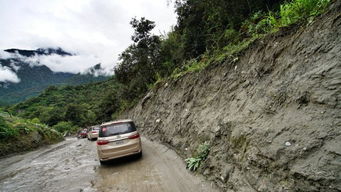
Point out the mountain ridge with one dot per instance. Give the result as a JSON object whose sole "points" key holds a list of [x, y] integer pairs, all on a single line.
{"points": [[35, 78], [39, 51]]}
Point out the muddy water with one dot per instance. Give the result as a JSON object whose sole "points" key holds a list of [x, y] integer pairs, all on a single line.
{"points": [[72, 165]]}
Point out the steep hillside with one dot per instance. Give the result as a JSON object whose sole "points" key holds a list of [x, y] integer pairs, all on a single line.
{"points": [[271, 114], [18, 135], [35, 78]]}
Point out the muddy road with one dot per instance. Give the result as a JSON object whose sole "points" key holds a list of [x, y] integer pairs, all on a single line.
{"points": [[72, 165]]}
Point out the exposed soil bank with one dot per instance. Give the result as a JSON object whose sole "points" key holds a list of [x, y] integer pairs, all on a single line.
{"points": [[272, 117]]}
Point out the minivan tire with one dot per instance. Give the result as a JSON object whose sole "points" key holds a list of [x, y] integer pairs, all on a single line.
{"points": [[102, 162], [139, 155]]}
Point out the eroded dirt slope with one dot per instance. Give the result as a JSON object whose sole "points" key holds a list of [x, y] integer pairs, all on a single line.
{"points": [[272, 117]]}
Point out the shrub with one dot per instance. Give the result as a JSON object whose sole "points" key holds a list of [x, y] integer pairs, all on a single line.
{"points": [[191, 66], [193, 163], [230, 36], [202, 152], [289, 13], [35, 121], [65, 126], [301, 9], [6, 130], [23, 127]]}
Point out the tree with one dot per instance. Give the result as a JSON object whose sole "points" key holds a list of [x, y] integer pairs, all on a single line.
{"points": [[202, 23], [75, 113], [108, 106], [142, 29], [139, 62], [51, 115]]}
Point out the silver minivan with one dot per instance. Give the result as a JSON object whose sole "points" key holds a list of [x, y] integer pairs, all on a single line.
{"points": [[118, 139]]}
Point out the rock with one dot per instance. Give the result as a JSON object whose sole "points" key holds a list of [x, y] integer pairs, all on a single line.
{"points": [[206, 172], [146, 98], [226, 171]]}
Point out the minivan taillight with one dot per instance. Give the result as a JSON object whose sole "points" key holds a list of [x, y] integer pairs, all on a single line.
{"points": [[93, 131], [102, 142], [134, 136]]}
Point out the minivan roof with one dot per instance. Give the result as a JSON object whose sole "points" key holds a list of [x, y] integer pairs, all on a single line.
{"points": [[115, 122]]}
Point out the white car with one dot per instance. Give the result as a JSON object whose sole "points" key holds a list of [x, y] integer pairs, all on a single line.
{"points": [[93, 132]]}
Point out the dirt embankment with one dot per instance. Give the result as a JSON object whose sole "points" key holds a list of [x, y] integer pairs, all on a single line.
{"points": [[272, 117]]}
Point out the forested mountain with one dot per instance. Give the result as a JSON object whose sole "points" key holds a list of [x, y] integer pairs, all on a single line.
{"points": [[82, 105], [35, 78]]}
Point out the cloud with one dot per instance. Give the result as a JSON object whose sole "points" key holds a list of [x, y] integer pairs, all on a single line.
{"points": [[6, 75], [14, 66], [58, 63], [5, 55], [96, 30]]}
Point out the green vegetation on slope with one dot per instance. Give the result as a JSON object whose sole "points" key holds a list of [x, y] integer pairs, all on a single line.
{"points": [[17, 134], [81, 105], [205, 34], [258, 25]]}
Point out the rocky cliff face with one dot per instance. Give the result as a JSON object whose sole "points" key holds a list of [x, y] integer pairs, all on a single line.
{"points": [[272, 117]]}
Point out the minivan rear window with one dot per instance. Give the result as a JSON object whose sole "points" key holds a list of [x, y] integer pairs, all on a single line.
{"points": [[116, 129]]}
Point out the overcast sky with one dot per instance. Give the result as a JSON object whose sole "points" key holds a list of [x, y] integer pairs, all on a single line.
{"points": [[96, 30]]}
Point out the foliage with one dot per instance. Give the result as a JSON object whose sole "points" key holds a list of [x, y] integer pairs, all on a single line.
{"points": [[205, 30], [301, 10], [82, 105], [202, 152], [109, 105], [18, 134], [193, 163], [191, 66], [13, 127], [139, 62], [207, 24], [64, 126], [289, 13], [258, 23], [6, 131]]}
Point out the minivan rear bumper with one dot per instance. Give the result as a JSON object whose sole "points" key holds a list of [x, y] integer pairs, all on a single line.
{"points": [[110, 151], [93, 135]]}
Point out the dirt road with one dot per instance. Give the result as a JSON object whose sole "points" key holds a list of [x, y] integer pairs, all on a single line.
{"points": [[72, 165]]}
